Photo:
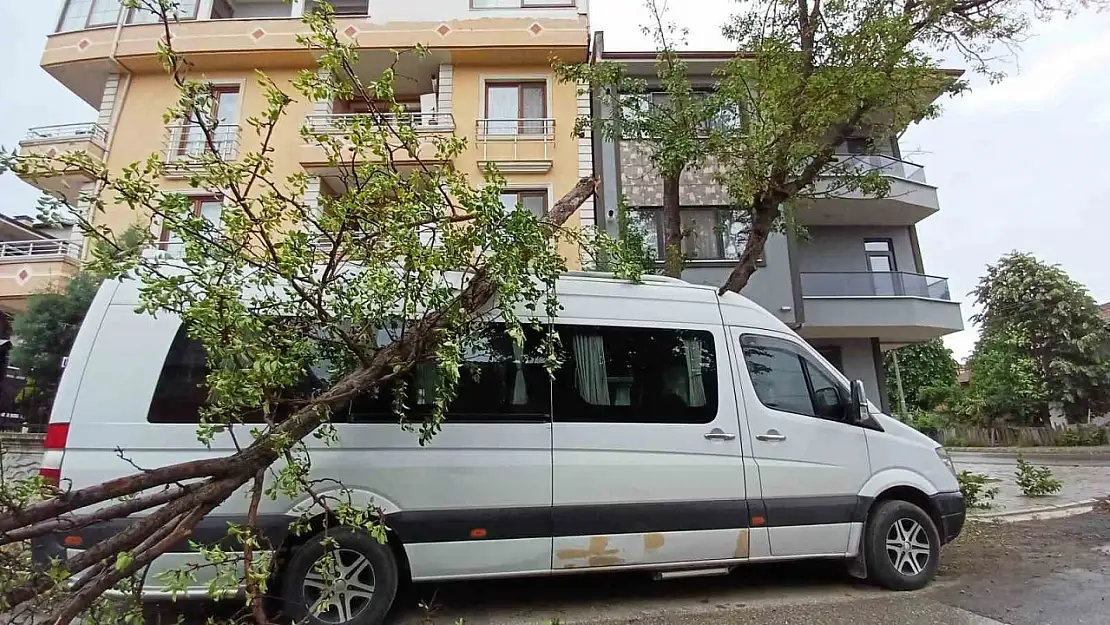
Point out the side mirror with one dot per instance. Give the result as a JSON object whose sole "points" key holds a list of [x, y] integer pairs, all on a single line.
{"points": [[860, 412]]}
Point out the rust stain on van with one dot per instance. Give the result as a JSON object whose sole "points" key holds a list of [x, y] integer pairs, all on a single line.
{"points": [[741, 550], [653, 542], [597, 553]]}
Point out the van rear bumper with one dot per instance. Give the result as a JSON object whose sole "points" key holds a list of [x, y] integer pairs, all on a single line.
{"points": [[209, 531], [952, 511]]}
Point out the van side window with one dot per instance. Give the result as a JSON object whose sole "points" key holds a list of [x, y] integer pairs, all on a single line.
{"points": [[635, 375], [498, 381], [180, 392], [786, 379]]}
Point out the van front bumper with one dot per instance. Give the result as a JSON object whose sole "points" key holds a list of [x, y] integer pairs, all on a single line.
{"points": [[952, 512]]}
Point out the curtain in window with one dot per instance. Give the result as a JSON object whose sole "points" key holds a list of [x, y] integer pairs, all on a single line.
{"points": [[424, 381], [693, 366], [520, 389], [591, 377], [503, 110]]}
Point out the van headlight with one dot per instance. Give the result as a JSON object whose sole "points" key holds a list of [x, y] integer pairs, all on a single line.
{"points": [[942, 453]]}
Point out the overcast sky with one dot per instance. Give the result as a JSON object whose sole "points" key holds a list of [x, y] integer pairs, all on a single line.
{"points": [[1017, 164]]}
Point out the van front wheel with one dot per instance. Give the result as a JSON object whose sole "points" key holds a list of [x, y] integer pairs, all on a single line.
{"points": [[341, 577], [903, 546]]}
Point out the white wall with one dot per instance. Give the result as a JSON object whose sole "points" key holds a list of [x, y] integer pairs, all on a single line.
{"points": [[382, 11], [270, 8]]}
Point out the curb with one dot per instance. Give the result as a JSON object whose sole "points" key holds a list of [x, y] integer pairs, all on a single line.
{"points": [[1037, 514]]}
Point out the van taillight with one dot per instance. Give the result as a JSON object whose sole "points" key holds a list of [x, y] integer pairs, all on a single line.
{"points": [[54, 445], [56, 435]]}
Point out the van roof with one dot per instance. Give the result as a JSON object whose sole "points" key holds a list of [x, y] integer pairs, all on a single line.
{"points": [[734, 309]]}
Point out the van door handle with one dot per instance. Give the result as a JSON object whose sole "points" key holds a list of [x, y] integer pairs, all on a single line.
{"points": [[717, 434], [771, 436]]}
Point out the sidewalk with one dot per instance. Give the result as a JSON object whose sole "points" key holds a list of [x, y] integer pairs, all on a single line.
{"points": [[1083, 481], [1035, 451]]}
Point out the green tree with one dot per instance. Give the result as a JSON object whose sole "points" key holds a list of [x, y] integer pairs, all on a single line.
{"points": [[42, 336], [44, 333], [404, 267], [928, 373], [1041, 341], [807, 76], [1005, 384], [668, 118]]}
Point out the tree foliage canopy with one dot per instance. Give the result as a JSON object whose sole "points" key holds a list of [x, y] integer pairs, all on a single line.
{"points": [[807, 75], [1041, 341], [928, 372], [300, 308]]}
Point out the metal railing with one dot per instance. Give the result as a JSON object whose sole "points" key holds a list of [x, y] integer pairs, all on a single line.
{"points": [[184, 142], [874, 284], [884, 164], [517, 131], [39, 249], [420, 122], [88, 131]]}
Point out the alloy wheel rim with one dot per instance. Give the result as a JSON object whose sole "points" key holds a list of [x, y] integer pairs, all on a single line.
{"points": [[338, 591], [907, 547]]}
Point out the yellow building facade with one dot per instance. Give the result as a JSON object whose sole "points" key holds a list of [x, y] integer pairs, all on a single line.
{"points": [[487, 78]]}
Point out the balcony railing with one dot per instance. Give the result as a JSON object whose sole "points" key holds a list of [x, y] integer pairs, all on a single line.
{"points": [[874, 284], [421, 122], [67, 132], [185, 142], [884, 164], [523, 134], [41, 249]]}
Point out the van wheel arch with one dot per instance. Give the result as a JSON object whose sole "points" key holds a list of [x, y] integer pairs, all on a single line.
{"points": [[857, 565], [324, 521]]}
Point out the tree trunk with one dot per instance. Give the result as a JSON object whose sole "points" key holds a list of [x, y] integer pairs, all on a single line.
{"points": [[764, 214], [672, 226]]}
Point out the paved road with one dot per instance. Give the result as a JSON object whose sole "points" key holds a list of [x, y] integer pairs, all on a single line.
{"points": [[1085, 476], [1053, 572]]}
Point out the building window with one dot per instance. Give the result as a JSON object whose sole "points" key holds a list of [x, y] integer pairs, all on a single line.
{"points": [[880, 255], [786, 379], [834, 355], [516, 108], [498, 380], [731, 118], [635, 375], [517, 4], [223, 120], [532, 200], [186, 10], [883, 268], [709, 232], [207, 207]]}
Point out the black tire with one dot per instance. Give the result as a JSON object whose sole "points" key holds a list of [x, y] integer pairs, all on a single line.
{"points": [[881, 562], [298, 602]]}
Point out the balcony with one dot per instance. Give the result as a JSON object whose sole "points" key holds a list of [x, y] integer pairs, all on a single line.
{"points": [[89, 138], [523, 146], [263, 33], [910, 199], [315, 157], [185, 146], [29, 267], [893, 306]]}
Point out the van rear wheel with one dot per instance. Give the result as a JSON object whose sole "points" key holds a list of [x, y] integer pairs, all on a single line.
{"points": [[903, 546], [349, 580]]}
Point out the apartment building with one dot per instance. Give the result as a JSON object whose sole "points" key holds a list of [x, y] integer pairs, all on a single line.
{"points": [[487, 77], [854, 285]]}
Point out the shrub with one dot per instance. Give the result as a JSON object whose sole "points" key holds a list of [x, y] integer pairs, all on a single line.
{"points": [[1035, 481], [1082, 437], [975, 490]]}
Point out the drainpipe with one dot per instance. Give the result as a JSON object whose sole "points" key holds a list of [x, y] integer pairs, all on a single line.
{"points": [[898, 380]]}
